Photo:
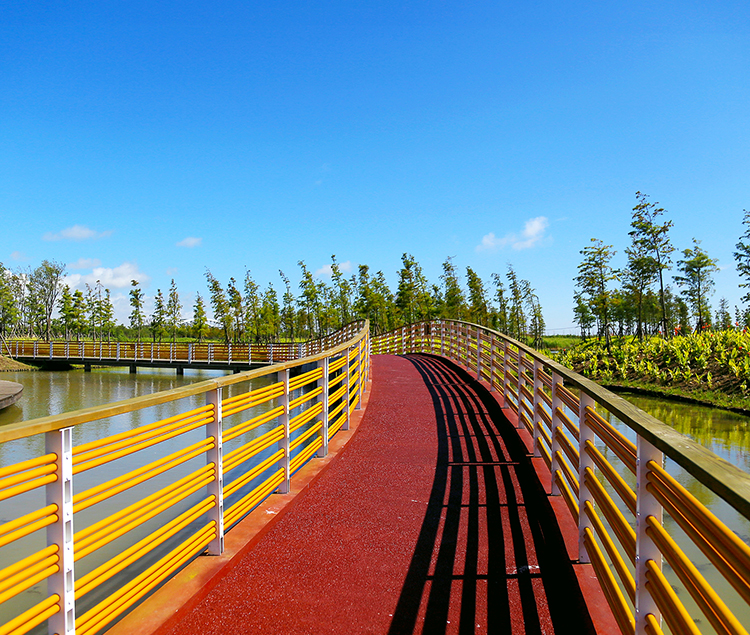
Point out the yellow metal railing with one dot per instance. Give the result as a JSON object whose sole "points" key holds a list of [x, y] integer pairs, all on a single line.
{"points": [[633, 515], [98, 525]]}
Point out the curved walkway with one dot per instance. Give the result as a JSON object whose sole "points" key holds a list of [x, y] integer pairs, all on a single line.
{"points": [[431, 521]]}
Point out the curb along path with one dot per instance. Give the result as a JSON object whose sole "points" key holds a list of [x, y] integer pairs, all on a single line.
{"points": [[431, 521]]}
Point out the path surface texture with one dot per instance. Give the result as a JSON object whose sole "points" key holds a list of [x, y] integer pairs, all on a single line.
{"points": [[431, 521]]}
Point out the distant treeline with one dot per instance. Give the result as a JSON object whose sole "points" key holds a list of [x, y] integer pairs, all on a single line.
{"points": [[638, 299], [36, 303]]}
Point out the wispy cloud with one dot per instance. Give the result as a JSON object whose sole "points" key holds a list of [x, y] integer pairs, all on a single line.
{"points": [[84, 263], [111, 278], [76, 233], [18, 255], [327, 270], [190, 241], [532, 234]]}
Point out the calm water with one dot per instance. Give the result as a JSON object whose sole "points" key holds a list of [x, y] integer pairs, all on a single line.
{"points": [[53, 392]]}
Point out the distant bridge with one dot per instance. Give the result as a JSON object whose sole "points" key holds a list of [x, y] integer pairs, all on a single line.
{"points": [[177, 355]]}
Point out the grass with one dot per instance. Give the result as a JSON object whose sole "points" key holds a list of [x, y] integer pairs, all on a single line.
{"points": [[9, 364]]}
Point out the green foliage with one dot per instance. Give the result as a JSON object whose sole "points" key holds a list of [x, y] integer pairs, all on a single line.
{"points": [[697, 363]]}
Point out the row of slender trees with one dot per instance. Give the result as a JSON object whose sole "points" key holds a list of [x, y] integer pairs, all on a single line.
{"points": [[638, 298], [37, 303]]}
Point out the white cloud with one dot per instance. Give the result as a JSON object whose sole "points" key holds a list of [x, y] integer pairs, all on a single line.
{"points": [[85, 263], [18, 255], [190, 241], [327, 270], [77, 233], [110, 278], [532, 234]]}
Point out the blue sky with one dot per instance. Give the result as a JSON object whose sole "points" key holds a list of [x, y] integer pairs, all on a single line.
{"points": [[153, 140]]}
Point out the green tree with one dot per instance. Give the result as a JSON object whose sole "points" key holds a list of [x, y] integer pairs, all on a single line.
{"points": [[342, 295], [478, 304], [723, 319], [536, 319], [200, 320], [742, 256], [516, 313], [651, 241], [137, 316], [8, 306], [583, 316], [270, 315], [639, 275], [501, 319], [697, 268], [288, 314], [79, 323], [220, 306], [253, 313], [174, 310], [158, 317], [310, 300], [46, 281], [594, 277], [453, 296], [65, 307]]}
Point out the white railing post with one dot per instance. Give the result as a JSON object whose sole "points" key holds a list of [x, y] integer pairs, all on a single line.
{"points": [[229, 353], [555, 444], [506, 382], [645, 549], [60, 533], [346, 396], [492, 363], [324, 414], [359, 377], [467, 338], [118, 351], [479, 354], [285, 461], [216, 456], [584, 461], [521, 382], [442, 337], [536, 419], [403, 340]]}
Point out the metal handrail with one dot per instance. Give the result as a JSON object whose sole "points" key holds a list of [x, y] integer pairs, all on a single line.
{"points": [[271, 432], [613, 518]]}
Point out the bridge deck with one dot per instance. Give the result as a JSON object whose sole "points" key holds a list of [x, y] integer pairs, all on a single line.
{"points": [[431, 521]]}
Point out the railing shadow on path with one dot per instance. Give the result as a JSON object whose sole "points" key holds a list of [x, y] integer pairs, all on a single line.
{"points": [[489, 540]]}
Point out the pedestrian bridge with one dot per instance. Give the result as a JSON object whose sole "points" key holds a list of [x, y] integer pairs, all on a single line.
{"points": [[440, 478], [178, 355]]}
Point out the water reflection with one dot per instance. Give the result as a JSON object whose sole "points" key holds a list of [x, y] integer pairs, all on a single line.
{"points": [[723, 432], [54, 392]]}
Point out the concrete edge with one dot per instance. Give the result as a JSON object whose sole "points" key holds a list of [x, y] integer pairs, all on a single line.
{"points": [[10, 393], [596, 602], [164, 608]]}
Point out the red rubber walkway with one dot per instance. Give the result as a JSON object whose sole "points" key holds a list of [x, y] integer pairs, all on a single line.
{"points": [[431, 521]]}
